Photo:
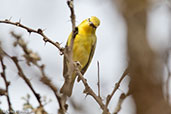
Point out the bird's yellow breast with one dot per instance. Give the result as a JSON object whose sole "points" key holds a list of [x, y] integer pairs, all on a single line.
{"points": [[82, 48]]}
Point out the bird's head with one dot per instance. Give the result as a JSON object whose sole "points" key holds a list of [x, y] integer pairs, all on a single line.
{"points": [[93, 22], [90, 24]]}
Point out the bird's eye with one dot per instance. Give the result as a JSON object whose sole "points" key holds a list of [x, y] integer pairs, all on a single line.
{"points": [[88, 19], [91, 23]]}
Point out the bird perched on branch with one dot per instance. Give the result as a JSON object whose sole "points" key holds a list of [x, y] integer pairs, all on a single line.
{"points": [[83, 50]]}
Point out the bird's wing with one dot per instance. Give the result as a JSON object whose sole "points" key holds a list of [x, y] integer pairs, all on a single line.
{"points": [[89, 60]]}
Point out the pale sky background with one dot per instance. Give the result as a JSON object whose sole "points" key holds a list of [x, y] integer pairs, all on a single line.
{"points": [[53, 16]]}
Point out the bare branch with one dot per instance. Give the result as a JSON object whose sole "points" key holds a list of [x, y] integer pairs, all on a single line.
{"points": [[109, 97], [98, 74], [23, 76]]}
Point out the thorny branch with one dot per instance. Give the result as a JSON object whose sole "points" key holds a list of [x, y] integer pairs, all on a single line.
{"points": [[30, 30]]}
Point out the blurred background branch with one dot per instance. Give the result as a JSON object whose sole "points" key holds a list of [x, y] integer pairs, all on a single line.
{"points": [[7, 83], [145, 66]]}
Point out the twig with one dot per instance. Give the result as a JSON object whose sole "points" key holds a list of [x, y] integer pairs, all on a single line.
{"points": [[73, 18], [30, 30], [121, 99], [98, 74], [109, 97], [70, 4], [23, 76], [71, 7], [7, 83], [89, 91]]}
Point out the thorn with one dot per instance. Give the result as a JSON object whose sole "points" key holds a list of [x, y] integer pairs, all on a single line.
{"points": [[17, 23], [68, 2], [6, 20], [8, 83], [19, 20], [59, 43], [45, 39], [29, 31], [39, 31], [10, 18]]}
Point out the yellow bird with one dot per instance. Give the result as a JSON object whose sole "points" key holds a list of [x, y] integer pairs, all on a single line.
{"points": [[83, 50]]}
